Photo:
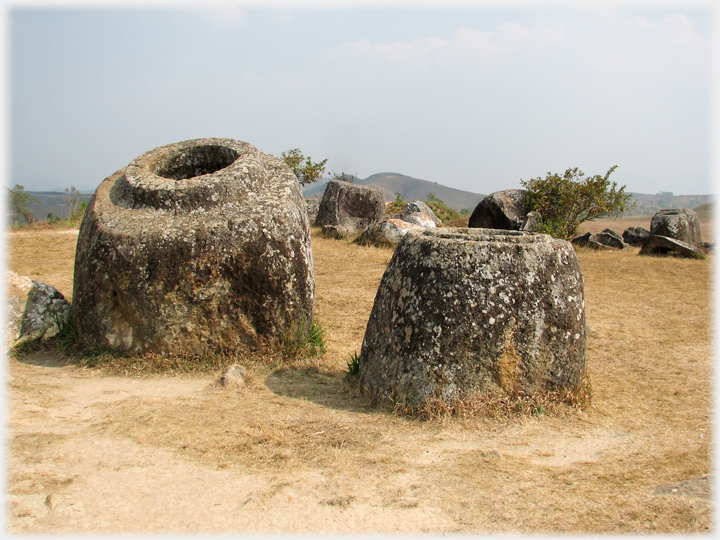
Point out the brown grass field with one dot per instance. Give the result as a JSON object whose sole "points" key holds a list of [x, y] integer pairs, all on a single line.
{"points": [[296, 451]]}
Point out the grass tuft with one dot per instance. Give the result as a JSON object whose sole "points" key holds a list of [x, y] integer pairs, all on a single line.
{"points": [[353, 368], [500, 405], [305, 344]]}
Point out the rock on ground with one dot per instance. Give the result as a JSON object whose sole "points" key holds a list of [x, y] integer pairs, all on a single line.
{"points": [[34, 310], [588, 240], [349, 207], [233, 375], [195, 247], [412, 208], [635, 236], [461, 312], [609, 238], [387, 233], [662, 245]]}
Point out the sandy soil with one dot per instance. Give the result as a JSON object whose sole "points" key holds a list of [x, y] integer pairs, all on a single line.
{"points": [[297, 451]]}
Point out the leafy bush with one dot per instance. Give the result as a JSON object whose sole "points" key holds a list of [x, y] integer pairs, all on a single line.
{"points": [[306, 171], [442, 210], [564, 202]]}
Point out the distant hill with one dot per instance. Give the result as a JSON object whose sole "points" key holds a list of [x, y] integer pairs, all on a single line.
{"points": [[705, 211], [647, 205], [411, 189]]}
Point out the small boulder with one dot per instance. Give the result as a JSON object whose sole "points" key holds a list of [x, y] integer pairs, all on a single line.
{"points": [[233, 375], [35, 311], [500, 210], [533, 222], [415, 207], [420, 219], [351, 207], [678, 223], [635, 236], [609, 238], [588, 240], [386, 233], [662, 245]]}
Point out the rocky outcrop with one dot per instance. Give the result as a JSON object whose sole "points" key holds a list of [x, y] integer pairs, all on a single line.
{"points": [[195, 247], [463, 312], [34, 311], [662, 245], [678, 223], [635, 236], [500, 210], [349, 207]]}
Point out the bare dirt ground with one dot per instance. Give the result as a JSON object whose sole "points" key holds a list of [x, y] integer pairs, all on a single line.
{"points": [[296, 451]]}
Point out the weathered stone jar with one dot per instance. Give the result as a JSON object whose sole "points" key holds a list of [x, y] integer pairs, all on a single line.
{"points": [[350, 207], [194, 247], [463, 312]]}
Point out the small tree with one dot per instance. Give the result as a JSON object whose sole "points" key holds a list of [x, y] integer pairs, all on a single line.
{"points": [[306, 171], [76, 205], [20, 204], [564, 202]]}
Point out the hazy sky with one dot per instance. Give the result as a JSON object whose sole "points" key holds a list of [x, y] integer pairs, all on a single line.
{"points": [[473, 97]]}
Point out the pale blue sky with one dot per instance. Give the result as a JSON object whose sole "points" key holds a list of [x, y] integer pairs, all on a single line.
{"points": [[475, 98]]}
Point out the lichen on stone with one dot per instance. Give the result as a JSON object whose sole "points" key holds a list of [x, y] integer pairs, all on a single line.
{"points": [[194, 247], [462, 312]]}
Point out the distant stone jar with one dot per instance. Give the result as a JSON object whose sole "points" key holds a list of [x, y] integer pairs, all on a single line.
{"points": [[678, 223], [195, 247], [350, 208], [500, 210], [463, 312]]}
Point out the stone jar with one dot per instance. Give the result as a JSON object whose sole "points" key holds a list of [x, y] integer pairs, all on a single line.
{"points": [[500, 210], [678, 223], [463, 312], [350, 207], [195, 247]]}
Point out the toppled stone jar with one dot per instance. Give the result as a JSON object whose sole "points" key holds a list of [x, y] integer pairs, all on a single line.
{"points": [[463, 312], [195, 247]]}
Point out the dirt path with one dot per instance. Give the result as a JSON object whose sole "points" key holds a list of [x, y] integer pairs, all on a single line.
{"points": [[296, 451], [110, 483]]}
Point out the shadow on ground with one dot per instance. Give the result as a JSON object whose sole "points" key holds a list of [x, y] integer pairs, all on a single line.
{"points": [[44, 358], [324, 388]]}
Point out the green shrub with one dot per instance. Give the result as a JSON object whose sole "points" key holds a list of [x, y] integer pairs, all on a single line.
{"points": [[564, 202]]}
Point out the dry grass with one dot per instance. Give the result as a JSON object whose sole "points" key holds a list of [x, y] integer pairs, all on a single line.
{"points": [[44, 254], [587, 471]]}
